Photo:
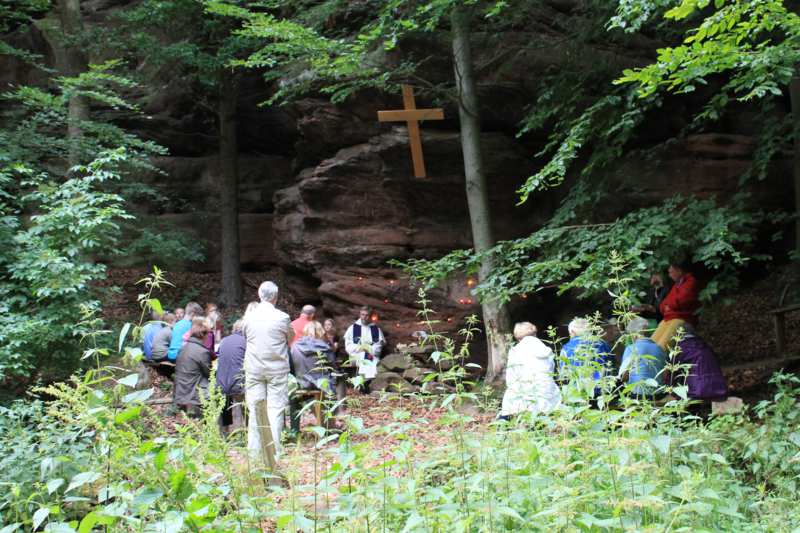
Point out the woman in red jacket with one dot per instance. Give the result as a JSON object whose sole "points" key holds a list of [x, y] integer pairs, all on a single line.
{"points": [[680, 305]]}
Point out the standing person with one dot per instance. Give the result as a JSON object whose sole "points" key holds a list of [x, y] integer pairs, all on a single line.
{"points": [[149, 332], [364, 343], [299, 323], [680, 305], [182, 326], [230, 375], [268, 333], [530, 386], [193, 368], [642, 360]]}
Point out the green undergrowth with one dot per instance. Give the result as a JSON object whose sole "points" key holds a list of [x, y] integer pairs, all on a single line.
{"points": [[97, 457]]}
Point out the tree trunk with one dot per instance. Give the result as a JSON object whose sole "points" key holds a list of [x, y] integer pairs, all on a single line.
{"points": [[794, 92], [73, 62], [229, 190], [495, 317]]}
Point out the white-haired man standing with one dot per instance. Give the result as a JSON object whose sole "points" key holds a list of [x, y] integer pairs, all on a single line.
{"points": [[268, 332]]}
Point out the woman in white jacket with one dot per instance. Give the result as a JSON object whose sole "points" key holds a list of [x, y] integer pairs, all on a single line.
{"points": [[529, 375]]}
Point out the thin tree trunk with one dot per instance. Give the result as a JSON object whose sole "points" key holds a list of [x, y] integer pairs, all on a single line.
{"points": [[73, 62], [229, 190], [794, 92], [495, 317]]}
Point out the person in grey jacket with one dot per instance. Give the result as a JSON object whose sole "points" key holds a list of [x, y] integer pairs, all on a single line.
{"points": [[193, 368], [268, 333]]}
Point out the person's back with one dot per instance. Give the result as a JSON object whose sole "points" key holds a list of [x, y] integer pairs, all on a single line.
{"points": [[161, 342], [704, 379], [579, 352], [312, 361], [191, 372], [268, 332], [641, 361], [529, 375], [148, 334], [230, 366]]}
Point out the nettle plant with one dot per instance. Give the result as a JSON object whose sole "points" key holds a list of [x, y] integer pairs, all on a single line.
{"points": [[98, 456]]}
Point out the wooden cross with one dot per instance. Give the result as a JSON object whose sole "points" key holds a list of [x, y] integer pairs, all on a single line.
{"points": [[411, 116]]}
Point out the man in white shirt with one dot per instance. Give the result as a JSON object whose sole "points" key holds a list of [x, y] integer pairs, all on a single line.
{"points": [[364, 343], [268, 332]]}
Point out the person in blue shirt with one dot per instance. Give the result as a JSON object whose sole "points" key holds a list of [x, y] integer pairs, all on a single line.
{"points": [[582, 350], [180, 328], [148, 333], [642, 360]]}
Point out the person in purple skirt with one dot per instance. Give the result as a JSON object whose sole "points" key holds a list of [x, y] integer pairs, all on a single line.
{"points": [[704, 379]]}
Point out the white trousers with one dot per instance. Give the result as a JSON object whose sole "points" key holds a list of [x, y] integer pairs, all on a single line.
{"points": [[275, 389]]}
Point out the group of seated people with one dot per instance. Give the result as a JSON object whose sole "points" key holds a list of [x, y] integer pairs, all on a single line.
{"points": [[254, 361], [532, 378]]}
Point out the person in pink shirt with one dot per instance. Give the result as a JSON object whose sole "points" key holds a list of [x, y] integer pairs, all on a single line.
{"points": [[299, 323]]}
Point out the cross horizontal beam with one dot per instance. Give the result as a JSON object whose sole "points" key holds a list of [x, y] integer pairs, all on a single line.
{"points": [[406, 115]]}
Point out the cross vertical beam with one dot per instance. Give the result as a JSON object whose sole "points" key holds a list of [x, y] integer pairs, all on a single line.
{"points": [[412, 116]]}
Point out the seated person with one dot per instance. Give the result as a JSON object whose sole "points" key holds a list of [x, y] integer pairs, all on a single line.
{"points": [[161, 342], [529, 375], [652, 309], [193, 368], [230, 375], [181, 327], [680, 305], [313, 359], [363, 342], [642, 360], [704, 378], [581, 350], [148, 332]]}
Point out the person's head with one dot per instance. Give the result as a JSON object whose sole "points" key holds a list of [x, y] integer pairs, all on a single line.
{"points": [[192, 310], [329, 326], [578, 326], [268, 292], [179, 313], [309, 311], [364, 313], [215, 319], [211, 307], [524, 329], [314, 329], [657, 280], [677, 268], [252, 306], [238, 326], [155, 315], [169, 318], [637, 326], [200, 327]]}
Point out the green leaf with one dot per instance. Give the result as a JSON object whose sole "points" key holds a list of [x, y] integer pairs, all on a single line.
{"points": [[40, 516], [53, 485], [82, 479], [122, 335], [138, 396], [128, 414], [130, 380], [661, 443]]}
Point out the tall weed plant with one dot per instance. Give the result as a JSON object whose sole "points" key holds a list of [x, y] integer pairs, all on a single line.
{"points": [[101, 459]]}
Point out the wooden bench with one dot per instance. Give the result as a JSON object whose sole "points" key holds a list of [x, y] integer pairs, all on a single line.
{"points": [[779, 319]]}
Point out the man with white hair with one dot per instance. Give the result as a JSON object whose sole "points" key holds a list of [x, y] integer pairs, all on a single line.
{"points": [[299, 323], [267, 332], [642, 360], [582, 349]]}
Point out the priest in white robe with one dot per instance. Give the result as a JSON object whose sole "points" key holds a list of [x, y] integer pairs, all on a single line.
{"points": [[364, 342]]}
